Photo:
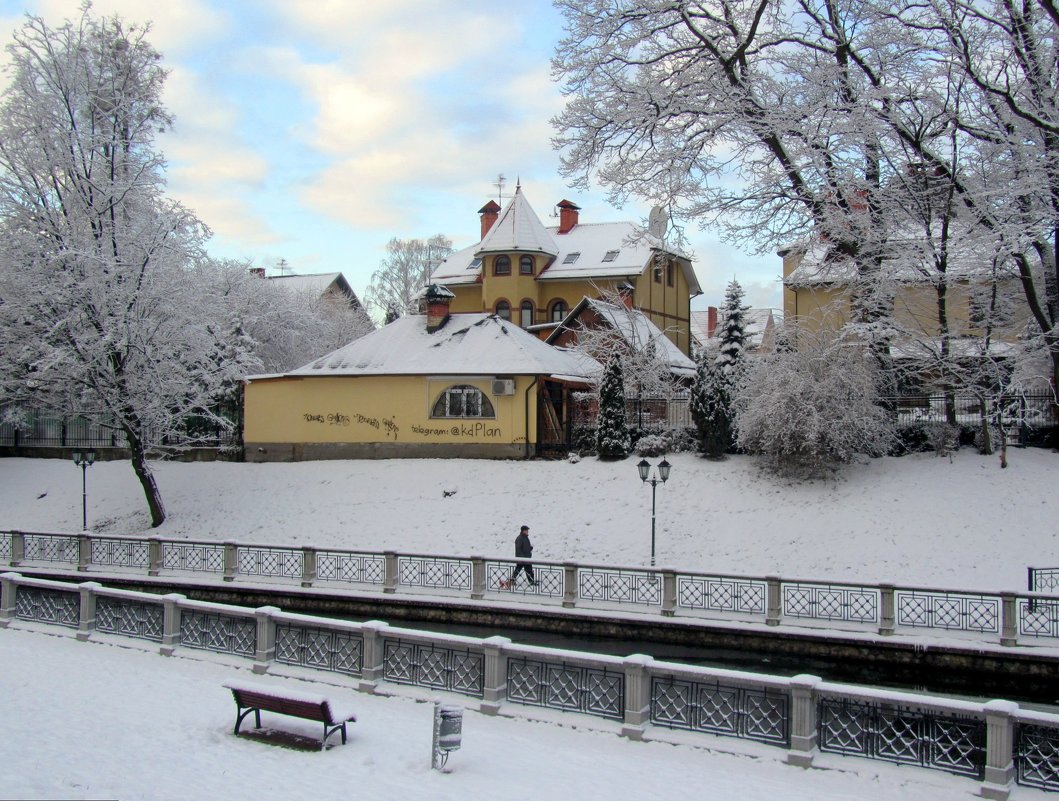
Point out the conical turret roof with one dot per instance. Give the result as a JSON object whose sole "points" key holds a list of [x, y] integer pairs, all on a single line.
{"points": [[518, 229]]}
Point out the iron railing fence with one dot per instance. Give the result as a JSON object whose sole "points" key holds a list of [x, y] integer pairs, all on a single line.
{"points": [[1042, 579], [1033, 410], [1012, 618], [997, 743], [24, 426]]}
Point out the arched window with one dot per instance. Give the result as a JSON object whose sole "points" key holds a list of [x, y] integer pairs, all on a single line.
{"points": [[503, 310], [463, 400], [559, 311], [502, 265], [526, 314], [525, 265]]}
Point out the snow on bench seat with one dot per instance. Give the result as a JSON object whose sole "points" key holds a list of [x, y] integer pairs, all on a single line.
{"points": [[256, 696]]}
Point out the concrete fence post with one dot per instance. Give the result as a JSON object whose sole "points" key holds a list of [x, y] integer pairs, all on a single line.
{"points": [[8, 591], [478, 580], [569, 585], [669, 593], [637, 695], [773, 601], [154, 556], [265, 652], [999, 742], [231, 555], [373, 667], [308, 566], [389, 578], [886, 609], [494, 674], [18, 548], [86, 624], [170, 623], [1009, 619], [84, 552], [803, 720]]}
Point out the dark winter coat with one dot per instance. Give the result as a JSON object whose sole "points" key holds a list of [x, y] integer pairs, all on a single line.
{"points": [[523, 548]]}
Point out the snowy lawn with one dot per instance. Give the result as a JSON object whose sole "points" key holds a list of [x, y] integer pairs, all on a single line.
{"points": [[920, 519], [136, 725]]}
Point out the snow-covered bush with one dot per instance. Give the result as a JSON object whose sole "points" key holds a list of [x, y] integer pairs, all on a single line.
{"points": [[809, 410], [651, 445]]}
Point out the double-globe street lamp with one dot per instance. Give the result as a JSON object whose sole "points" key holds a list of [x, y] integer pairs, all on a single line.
{"points": [[84, 460], [660, 476]]}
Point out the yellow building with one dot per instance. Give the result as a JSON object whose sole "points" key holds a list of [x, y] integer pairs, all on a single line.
{"points": [[434, 385], [533, 275]]}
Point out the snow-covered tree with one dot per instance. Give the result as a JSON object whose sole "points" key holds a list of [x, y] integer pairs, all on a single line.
{"points": [[102, 304], [612, 432], [395, 286], [806, 411], [731, 351], [710, 406]]}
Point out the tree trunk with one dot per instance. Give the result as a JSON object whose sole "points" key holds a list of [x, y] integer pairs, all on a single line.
{"points": [[146, 477]]}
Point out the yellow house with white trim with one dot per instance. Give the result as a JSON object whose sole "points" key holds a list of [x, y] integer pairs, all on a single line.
{"points": [[434, 385]]}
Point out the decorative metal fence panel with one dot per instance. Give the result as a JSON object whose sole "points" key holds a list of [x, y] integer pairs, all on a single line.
{"points": [[828, 602], [570, 687], [1037, 756], [1038, 618], [905, 735], [120, 553], [5, 547], [721, 594], [427, 665], [48, 606], [50, 548], [619, 586], [337, 651], [550, 580], [1043, 579], [225, 634], [355, 568], [434, 573], [751, 713], [273, 562], [130, 618], [941, 610], [195, 556]]}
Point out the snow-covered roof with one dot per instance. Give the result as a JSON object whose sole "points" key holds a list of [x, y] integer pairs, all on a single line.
{"points": [[517, 229], [635, 328], [468, 344], [317, 283], [587, 251]]}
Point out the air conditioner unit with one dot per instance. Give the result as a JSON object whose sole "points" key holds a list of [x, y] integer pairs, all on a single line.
{"points": [[503, 386]]}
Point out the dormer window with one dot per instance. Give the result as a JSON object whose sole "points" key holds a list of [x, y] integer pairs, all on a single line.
{"points": [[474, 265], [502, 265], [525, 265], [572, 257], [611, 255]]}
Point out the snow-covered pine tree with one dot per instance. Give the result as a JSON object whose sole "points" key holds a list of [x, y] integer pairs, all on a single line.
{"points": [[730, 354], [612, 432], [709, 406]]}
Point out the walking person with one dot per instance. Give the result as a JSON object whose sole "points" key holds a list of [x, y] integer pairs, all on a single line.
{"points": [[523, 550]]}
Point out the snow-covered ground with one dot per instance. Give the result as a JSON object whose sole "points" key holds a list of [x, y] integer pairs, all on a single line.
{"points": [[105, 720], [114, 719], [960, 523]]}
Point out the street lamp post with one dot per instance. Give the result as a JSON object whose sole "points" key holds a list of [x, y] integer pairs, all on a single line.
{"points": [[84, 460], [661, 475]]}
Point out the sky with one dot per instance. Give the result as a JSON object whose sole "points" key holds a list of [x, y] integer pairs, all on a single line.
{"points": [[315, 132]]}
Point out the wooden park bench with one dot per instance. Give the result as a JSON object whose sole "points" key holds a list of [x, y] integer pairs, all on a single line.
{"points": [[253, 697]]}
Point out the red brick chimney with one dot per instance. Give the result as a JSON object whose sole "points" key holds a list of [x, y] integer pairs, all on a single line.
{"points": [[625, 290], [490, 211], [438, 299], [567, 216], [257, 272], [711, 321]]}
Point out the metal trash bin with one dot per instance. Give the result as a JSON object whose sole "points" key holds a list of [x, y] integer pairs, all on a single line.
{"points": [[448, 732]]}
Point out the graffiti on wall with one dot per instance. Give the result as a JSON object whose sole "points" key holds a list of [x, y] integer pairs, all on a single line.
{"points": [[344, 420], [461, 428]]}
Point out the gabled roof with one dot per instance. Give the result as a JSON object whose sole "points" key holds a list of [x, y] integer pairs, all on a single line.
{"points": [[517, 229], [755, 325], [467, 344], [317, 283], [633, 326]]}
